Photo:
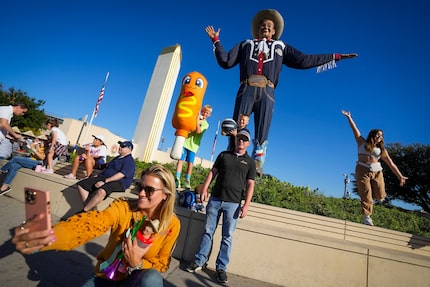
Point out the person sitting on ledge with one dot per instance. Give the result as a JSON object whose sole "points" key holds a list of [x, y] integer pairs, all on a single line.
{"points": [[94, 157], [116, 177], [11, 168]]}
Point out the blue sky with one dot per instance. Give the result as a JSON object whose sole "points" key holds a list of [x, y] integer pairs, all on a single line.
{"points": [[60, 52]]}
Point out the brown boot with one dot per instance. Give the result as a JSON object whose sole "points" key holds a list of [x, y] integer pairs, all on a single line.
{"points": [[258, 168]]}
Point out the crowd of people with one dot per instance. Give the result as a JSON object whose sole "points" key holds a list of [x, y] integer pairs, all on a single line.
{"points": [[31, 152]]}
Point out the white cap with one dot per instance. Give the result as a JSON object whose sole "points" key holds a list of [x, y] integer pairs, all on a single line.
{"points": [[100, 137]]}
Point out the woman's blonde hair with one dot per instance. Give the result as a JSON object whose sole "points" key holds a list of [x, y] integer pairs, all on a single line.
{"points": [[169, 188]]}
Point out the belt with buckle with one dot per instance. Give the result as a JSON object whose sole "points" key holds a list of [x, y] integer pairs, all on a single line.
{"points": [[258, 81]]}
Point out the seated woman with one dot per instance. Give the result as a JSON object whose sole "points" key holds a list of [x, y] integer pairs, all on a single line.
{"points": [[122, 262], [37, 155], [94, 157], [57, 144]]}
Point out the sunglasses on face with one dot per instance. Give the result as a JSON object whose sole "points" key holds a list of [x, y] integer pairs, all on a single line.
{"points": [[149, 190], [244, 139]]}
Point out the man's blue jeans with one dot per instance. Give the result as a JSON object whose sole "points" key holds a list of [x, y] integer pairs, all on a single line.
{"points": [[230, 213], [15, 164]]}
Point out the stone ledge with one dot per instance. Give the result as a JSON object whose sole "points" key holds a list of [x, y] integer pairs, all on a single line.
{"points": [[282, 246], [284, 219], [65, 199]]}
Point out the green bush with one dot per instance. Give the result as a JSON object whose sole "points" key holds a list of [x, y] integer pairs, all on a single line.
{"points": [[269, 190]]}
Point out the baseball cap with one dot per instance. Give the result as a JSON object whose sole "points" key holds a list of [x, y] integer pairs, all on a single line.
{"points": [[245, 133], [100, 137], [126, 144]]}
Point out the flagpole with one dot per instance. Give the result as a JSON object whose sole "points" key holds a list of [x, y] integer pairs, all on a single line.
{"points": [[101, 94], [214, 144]]}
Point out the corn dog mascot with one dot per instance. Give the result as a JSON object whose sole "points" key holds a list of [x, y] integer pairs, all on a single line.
{"points": [[187, 110]]}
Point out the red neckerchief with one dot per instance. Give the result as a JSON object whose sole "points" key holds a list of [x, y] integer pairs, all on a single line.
{"points": [[261, 60]]}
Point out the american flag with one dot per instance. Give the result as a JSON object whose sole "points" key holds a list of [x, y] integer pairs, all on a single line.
{"points": [[99, 100], [102, 93]]}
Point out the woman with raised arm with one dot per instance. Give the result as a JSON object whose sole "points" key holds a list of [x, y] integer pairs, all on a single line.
{"points": [[368, 171]]}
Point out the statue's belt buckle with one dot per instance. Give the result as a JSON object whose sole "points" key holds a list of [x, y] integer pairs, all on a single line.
{"points": [[259, 81]]}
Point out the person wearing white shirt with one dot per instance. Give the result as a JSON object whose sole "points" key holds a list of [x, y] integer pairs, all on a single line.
{"points": [[6, 114], [93, 157], [57, 144]]}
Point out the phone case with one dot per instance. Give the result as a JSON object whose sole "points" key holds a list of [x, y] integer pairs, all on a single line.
{"points": [[37, 202]]}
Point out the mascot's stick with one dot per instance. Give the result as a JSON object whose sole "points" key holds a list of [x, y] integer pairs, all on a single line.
{"points": [[187, 110]]}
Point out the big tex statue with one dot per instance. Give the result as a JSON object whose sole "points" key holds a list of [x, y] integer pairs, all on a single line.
{"points": [[260, 60]]}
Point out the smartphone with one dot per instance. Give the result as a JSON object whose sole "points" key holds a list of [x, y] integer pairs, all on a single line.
{"points": [[37, 202]]}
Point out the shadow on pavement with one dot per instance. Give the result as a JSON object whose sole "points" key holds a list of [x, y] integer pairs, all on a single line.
{"points": [[56, 268]]}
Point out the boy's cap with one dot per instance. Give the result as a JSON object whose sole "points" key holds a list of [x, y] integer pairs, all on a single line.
{"points": [[100, 137], [244, 132], [126, 144]]}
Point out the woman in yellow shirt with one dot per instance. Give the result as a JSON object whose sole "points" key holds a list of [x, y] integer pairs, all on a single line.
{"points": [[122, 262]]}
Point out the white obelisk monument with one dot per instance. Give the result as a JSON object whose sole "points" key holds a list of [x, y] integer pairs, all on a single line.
{"points": [[156, 103]]}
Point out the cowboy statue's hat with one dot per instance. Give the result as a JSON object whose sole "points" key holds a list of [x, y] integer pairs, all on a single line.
{"points": [[269, 14]]}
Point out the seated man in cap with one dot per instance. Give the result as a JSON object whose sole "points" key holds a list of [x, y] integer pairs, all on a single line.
{"points": [[261, 60], [94, 157], [116, 177]]}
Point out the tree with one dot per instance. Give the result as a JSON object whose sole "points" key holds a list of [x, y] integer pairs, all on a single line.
{"points": [[414, 163], [34, 119]]}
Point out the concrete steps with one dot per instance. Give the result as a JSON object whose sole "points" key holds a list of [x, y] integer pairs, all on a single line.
{"points": [[281, 246], [64, 168], [339, 229]]}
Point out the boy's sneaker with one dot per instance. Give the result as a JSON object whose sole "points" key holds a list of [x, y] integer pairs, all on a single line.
{"points": [[193, 267], [221, 276], [187, 184], [177, 182], [71, 176], [3, 192], [367, 220]]}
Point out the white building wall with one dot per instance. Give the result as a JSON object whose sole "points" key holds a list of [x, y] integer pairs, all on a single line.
{"points": [[72, 127]]}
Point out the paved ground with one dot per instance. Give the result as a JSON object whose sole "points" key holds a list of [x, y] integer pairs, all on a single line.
{"points": [[72, 268]]}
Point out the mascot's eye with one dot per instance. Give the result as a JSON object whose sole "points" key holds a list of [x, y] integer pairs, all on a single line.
{"points": [[200, 83], [186, 80]]}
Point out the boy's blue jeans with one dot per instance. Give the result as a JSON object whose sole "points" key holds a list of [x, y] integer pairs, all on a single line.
{"points": [[230, 213]]}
